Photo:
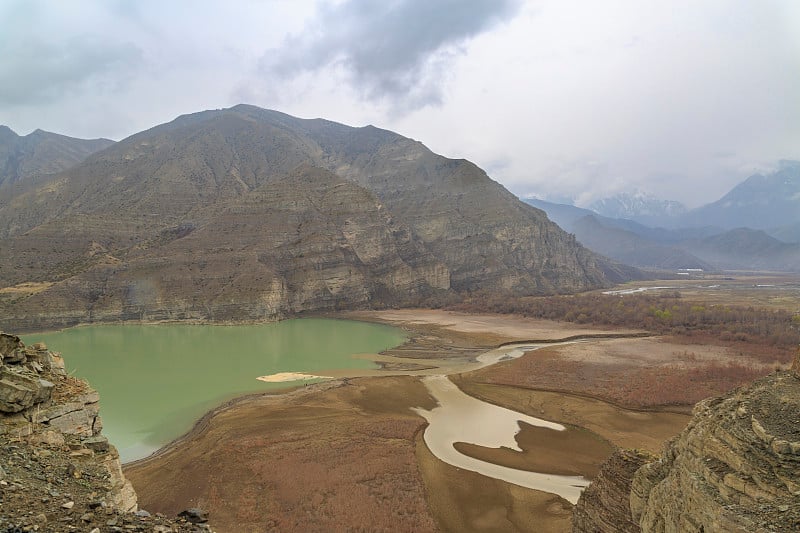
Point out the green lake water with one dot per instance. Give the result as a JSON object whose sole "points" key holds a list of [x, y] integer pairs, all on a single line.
{"points": [[155, 381]]}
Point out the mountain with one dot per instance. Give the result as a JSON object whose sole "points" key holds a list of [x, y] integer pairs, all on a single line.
{"points": [[564, 215], [706, 248], [746, 249], [246, 213], [760, 202], [640, 207], [627, 247], [623, 240], [41, 153], [790, 233]]}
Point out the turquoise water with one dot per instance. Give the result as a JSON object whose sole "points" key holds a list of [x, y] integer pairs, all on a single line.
{"points": [[155, 381]]}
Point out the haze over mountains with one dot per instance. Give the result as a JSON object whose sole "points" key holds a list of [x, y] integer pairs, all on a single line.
{"points": [[41, 153], [755, 226], [248, 213]]}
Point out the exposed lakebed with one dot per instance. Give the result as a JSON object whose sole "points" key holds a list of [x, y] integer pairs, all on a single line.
{"points": [[156, 380]]}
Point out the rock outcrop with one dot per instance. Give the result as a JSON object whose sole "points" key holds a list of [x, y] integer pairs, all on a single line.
{"points": [[735, 468], [57, 470], [604, 506]]}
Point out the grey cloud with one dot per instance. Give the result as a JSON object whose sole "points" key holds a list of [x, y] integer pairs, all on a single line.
{"points": [[398, 50], [37, 71]]}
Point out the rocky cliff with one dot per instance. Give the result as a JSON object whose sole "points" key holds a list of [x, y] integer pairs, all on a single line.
{"points": [[604, 505], [735, 468], [246, 213], [57, 470]]}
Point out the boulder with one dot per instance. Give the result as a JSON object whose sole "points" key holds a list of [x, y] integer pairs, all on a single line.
{"points": [[97, 443], [12, 349], [194, 515], [20, 390]]}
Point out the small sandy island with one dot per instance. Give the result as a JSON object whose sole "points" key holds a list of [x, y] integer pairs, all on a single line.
{"points": [[280, 377]]}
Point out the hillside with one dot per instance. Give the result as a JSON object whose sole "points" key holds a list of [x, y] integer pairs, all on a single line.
{"points": [[41, 153], [632, 249], [734, 468], [624, 240], [760, 202], [746, 249], [247, 213], [703, 247]]}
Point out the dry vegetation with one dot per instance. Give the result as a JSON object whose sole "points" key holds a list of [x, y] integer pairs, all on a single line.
{"points": [[757, 341], [777, 331], [631, 383]]}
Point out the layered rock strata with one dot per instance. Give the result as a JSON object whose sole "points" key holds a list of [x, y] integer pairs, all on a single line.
{"points": [[735, 468], [604, 506], [58, 472], [250, 214]]}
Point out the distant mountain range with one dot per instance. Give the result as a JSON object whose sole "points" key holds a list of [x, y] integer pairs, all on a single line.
{"points": [[756, 226], [246, 213], [768, 202], [639, 206], [41, 153]]}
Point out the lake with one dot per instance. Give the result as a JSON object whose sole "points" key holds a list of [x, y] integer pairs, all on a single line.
{"points": [[156, 380]]}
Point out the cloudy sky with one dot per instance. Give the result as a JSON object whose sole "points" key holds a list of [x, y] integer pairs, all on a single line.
{"points": [[560, 99]]}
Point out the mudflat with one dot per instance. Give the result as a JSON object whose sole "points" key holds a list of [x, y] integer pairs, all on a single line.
{"points": [[336, 456], [348, 454], [489, 328]]}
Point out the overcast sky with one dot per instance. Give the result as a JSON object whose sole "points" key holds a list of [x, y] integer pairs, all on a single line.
{"points": [[559, 99]]}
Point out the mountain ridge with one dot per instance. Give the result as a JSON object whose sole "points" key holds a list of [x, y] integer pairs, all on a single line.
{"points": [[113, 223], [41, 153]]}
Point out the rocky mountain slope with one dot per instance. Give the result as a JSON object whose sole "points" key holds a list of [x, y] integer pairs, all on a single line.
{"points": [[632, 249], [707, 248], [246, 213], [746, 249], [58, 473], [735, 468], [41, 153], [762, 201]]}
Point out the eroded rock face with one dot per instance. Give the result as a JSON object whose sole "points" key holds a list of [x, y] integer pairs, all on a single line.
{"points": [[604, 506], [735, 468], [59, 472]]}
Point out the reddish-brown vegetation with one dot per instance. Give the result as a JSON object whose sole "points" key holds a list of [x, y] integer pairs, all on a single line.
{"points": [[761, 333], [630, 385]]}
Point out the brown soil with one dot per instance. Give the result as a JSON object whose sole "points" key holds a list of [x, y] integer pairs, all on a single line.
{"points": [[335, 457], [466, 501], [574, 452], [480, 329], [625, 428]]}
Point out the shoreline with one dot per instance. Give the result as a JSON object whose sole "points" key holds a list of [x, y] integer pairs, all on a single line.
{"points": [[384, 370], [202, 423]]}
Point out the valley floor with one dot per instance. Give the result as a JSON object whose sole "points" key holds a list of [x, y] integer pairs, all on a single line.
{"points": [[348, 454]]}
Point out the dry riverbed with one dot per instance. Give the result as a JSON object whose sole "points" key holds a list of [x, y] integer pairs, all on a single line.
{"points": [[349, 454]]}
